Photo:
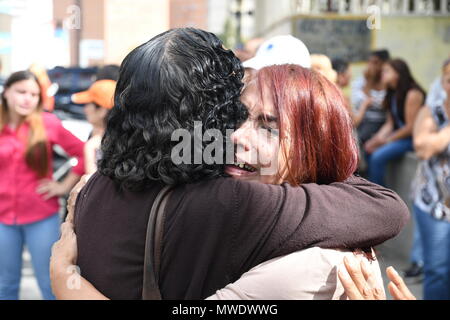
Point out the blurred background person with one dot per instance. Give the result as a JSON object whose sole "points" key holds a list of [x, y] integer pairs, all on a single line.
{"points": [[344, 72], [403, 99], [437, 94], [278, 50], [98, 100], [367, 96], [343, 79], [48, 101], [322, 64], [28, 195], [432, 191]]}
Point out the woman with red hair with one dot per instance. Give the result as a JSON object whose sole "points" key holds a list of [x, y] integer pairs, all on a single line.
{"points": [[307, 115], [299, 127]]}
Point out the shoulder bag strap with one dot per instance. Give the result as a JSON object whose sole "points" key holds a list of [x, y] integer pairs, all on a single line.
{"points": [[152, 260]]}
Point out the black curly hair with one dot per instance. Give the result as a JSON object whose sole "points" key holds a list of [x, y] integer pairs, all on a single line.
{"points": [[178, 77]]}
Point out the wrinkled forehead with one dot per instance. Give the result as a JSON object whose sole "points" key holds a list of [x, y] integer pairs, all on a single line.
{"points": [[257, 98]]}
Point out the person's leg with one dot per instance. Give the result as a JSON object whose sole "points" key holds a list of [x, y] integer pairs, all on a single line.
{"points": [[416, 251], [39, 238], [379, 159], [367, 129], [11, 247], [435, 235], [416, 267], [448, 263]]}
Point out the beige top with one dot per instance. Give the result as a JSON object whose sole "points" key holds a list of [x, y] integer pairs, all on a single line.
{"points": [[309, 274]]}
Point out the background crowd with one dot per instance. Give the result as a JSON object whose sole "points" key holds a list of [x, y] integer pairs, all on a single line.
{"points": [[393, 117]]}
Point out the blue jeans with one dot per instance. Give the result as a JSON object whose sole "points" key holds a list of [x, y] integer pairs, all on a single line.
{"points": [[417, 250], [380, 158], [39, 238], [436, 249]]}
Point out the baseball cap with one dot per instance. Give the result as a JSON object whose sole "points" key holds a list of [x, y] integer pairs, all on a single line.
{"points": [[101, 92], [284, 49]]}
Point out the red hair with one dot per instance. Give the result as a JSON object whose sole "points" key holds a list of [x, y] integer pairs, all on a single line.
{"points": [[313, 117]]}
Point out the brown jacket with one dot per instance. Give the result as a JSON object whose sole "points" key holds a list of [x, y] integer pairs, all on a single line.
{"points": [[217, 230]]}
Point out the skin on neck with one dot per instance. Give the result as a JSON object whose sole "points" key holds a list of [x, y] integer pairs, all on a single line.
{"points": [[14, 119], [98, 130]]}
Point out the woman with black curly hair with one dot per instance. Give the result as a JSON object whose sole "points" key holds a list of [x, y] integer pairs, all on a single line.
{"points": [[216, 227]]}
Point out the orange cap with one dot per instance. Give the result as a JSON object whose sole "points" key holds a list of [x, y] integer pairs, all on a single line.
{"points": [[101, 92]]}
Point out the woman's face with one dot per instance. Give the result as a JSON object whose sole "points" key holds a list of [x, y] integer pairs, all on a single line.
{"points": [[389, 76], [344, 78], [257, 140], [374, 65], [94, 115], [22, 97]]}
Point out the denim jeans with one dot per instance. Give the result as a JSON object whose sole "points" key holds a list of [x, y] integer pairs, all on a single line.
{"points": [[379, 159], [39, 238], [417, 250], [436, 249]]}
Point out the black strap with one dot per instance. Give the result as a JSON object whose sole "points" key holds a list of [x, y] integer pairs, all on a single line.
{"points": [[152, 260]]}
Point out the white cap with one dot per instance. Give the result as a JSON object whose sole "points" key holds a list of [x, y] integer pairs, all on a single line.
{"points": [[280, 50]]}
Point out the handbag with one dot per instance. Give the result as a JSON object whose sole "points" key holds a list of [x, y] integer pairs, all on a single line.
{"points": [[153, 243]]}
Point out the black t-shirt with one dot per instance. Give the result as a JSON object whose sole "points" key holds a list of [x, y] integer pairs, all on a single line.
{"points": [[216, 230]]}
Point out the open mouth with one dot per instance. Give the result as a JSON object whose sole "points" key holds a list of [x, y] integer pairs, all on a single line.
{"points": [[244, 166], [241, 170]]}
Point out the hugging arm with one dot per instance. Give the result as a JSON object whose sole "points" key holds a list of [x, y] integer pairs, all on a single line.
{"points": [[278, 220], [275, 220], [66, 281]]}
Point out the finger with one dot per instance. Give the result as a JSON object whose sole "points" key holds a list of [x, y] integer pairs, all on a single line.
{"points": [[49, 195], [42, 189], [399, 283], [355, 273], [70, 216], [67, 230], [368, 274], [71, 208], [54, 251], [365, 270], [86, 178], [378, 294], [349, 286], [395, 292]]}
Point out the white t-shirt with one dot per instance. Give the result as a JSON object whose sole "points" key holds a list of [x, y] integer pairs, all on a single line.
{"points": [[436, 95], [375, 112], [309, 274]]}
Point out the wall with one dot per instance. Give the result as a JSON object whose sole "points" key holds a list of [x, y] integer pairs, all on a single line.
{"points": [[268, 14], [188, 13], [60, 14], [129, 24], [424, 42], [399, 177], [5, 44]]}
